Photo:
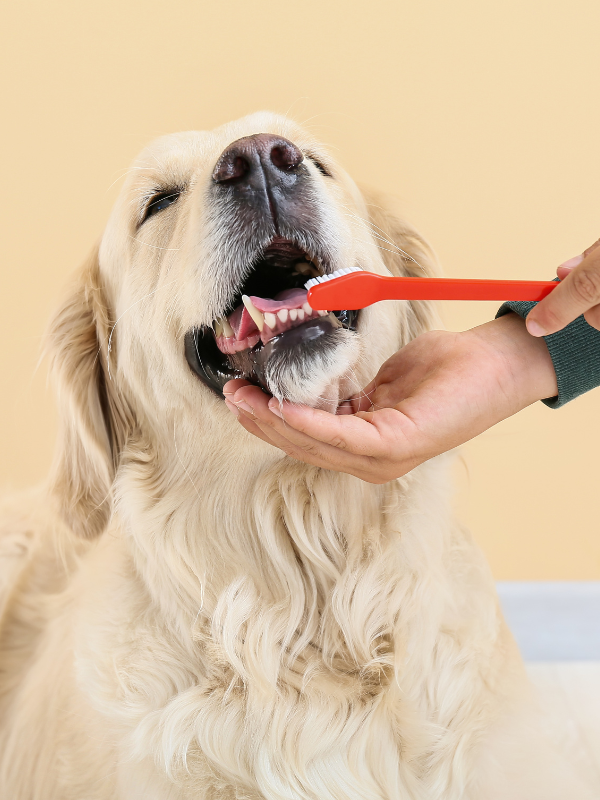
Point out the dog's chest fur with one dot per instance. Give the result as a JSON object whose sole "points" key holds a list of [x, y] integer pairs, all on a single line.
{"points": [[301, 641]]}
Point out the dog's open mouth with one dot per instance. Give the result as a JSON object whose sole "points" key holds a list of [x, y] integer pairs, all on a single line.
{"points": [[269, 314]]}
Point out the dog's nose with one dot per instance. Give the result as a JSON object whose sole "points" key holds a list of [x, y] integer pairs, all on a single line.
{"points": [[262, 151]]}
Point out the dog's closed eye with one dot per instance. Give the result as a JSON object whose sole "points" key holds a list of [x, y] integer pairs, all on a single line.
{"points": [[158, 202], [319, 165]]}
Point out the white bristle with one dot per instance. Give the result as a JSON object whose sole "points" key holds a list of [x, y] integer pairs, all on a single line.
{"points": [[337, 274]]}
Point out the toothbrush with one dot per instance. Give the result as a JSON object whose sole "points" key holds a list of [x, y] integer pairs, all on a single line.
{"points": [[353, 288]]}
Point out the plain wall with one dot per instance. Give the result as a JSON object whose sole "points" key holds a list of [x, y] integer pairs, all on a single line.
{"points": [[482, 118]]}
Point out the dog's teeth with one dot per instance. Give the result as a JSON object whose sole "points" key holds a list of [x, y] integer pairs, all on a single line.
{"points": [[293, 314], [283, 315], [227, 329], [270, 320], [304, 268], [218, 328], [256, 315], [307, 309], [322, 313], [300, 313]]}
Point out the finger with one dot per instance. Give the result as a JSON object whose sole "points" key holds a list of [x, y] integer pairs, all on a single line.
{"points": [[564, 270], [343, 462], [256, 406], [368, 445], [249, 397], [301, 447], [364, 401], [352, 433], [232, 386], [592, 317], [367, 469], [566, 267], [359, 402], [347, 443], [251, 426], [576, 294], [591, 249]]}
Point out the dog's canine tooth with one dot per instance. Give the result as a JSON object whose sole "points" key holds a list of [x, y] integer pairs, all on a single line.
{"points": [[307, 309], [270, 320], [218, 327], [293, 314], [256, 315], [227, 329], [283, 315], [304, 268]]}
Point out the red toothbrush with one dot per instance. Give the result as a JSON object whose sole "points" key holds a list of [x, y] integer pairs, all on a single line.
{"points": [[353, 288]]}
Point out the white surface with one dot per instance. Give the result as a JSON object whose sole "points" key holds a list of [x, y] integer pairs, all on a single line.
{"points": [[569, 694], [557, 627], [553, 621]]}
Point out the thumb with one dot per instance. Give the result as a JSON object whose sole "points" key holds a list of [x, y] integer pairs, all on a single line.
{"points": [[578, 292]]}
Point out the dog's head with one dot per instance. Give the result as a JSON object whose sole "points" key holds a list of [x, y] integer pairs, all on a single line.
{"points": [[199, 278]]}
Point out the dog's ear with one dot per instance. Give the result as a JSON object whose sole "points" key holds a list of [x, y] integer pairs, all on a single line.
{"points": [[93, 422], [405, 253]]}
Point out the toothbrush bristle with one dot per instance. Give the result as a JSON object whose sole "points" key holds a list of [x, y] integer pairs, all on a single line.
{"points": [[337, 274]]}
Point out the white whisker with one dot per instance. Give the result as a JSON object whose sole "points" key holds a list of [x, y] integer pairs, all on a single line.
{"points": [[183, 465], [153, 246]]}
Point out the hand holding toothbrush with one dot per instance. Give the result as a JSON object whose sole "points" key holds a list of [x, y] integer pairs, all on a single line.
{"points": [[438, 392]]}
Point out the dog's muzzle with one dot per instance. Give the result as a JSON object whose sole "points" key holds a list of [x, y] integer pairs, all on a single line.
{"points": [[266, 188]]}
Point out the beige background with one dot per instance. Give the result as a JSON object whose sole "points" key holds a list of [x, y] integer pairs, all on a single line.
{"points": [[481, 117]]}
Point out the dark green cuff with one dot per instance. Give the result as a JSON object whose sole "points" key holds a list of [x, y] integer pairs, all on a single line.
{"points": [[575, 353]]}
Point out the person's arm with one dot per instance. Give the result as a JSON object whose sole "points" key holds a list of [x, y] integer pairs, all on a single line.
{"points": [[569, 319], [439, 391]]}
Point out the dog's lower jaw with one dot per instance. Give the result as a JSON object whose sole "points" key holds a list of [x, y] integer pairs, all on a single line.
{"points": [[321, 380]]}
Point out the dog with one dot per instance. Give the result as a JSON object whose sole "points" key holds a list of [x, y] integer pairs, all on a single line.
{"points": [[186, 612]]}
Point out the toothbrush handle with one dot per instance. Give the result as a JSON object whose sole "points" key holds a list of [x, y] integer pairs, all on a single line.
{"points": [[360, 289]]}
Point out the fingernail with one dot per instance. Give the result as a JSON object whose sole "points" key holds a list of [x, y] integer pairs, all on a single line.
{"points": [[232, 407], [275, 408], [245, 407], [572, 262], [534, 328]]}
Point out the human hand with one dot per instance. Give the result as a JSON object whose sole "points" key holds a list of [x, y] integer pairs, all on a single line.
{"points": [[578, 293], [438, 392]]}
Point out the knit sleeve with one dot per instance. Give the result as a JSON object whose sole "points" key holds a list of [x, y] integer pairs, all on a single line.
{"points": [[575, 353]]}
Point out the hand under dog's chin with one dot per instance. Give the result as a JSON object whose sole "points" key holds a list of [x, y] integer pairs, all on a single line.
{"points": [[322, 379]]}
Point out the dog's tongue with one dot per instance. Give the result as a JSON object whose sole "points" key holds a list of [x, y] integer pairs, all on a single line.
{"points": [[243, 324]]}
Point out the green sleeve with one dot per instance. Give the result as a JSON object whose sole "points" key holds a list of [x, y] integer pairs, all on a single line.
{"points": [[575, 353]]}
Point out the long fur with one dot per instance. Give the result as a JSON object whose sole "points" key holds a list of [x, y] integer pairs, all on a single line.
{"points": [[187, 613]]}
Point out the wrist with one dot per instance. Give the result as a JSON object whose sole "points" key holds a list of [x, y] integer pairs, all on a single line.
{"points": [[523, 363]]}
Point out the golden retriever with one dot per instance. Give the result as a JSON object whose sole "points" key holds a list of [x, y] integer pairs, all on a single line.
{"points": [[189, 613]]}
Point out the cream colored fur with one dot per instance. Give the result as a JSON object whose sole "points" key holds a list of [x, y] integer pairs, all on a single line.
{"points": [[191, 614]]}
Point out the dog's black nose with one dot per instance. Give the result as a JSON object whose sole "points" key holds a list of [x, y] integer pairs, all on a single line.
{"points": [[263, 151]]}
